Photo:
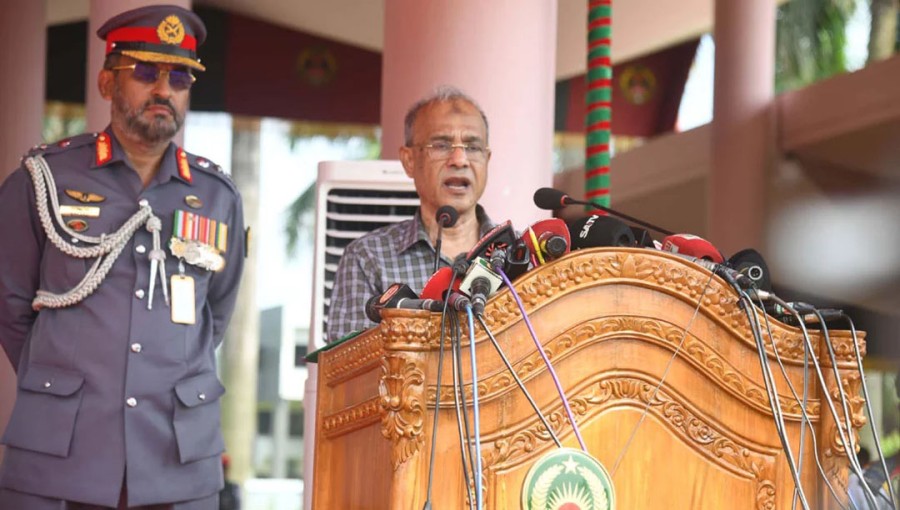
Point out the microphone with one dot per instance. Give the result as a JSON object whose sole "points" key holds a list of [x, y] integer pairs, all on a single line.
{"points": [[438, 284], [479, 283], [692, 246], [547, 240], [399, 295], [446, 216], [751, 263], [458, 302], [552, 199], [734, 278], [502, 236], [593, 231]]}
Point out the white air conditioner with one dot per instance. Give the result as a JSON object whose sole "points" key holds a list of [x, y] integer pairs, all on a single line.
{"points": [[352, 198]]}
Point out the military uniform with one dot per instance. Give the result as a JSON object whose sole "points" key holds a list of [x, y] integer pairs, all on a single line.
{"points": [[117, 386], [108, 388]]}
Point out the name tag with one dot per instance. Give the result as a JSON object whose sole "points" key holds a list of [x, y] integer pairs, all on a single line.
{"points": [[183, 299], [87, 211]]}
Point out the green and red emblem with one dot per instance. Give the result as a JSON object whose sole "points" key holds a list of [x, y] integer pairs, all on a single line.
{"points": [[568, 479]]}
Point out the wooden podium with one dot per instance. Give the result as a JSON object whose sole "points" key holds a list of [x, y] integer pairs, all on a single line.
{"points": [[610, 320]]}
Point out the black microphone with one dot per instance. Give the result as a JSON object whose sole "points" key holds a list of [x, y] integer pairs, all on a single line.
{"points": [[446, 216], [751, 263], [399, 295], [593, 231], [552, 199], [458, 302], [480, 290]]}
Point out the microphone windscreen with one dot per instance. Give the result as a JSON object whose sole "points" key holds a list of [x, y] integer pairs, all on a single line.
{"points": [[502, 236], [751, 264], [692, 246], [549, 198], [595, 230], [547, 240], [446, 216], [372, 311], [438, 284]]}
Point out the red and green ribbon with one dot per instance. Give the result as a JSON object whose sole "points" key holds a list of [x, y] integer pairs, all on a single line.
{"points": [[599, 102]]}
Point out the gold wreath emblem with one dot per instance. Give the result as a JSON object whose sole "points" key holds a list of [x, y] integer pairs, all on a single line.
{"points": [[170, 30]]}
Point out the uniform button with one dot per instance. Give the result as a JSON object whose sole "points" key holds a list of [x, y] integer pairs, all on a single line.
{"points": [[74, 240], [131, 402], [140, 248], [136, 347], [139, 293], [202, 396], [47, 384]]}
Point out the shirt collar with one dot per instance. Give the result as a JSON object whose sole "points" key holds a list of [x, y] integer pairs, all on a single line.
{"points": [[415, 232], [168, 168]]}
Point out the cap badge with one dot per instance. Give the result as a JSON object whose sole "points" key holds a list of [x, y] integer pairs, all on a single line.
{"points": [[170, 30]]}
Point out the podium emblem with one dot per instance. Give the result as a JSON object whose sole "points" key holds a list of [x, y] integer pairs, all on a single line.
{"points": [[568, 479]]}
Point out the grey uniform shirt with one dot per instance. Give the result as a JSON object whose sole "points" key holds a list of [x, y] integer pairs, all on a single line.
{"points": [[108, 388], [398, 253]]}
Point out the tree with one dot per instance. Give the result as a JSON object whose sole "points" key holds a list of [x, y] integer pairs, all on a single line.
{"points": [[810, 41]]}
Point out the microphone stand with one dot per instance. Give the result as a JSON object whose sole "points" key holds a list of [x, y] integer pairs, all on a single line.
{"points": [[570, 200]]}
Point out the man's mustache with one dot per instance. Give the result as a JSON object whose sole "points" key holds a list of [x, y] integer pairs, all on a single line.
{"points": [[160, 102]]}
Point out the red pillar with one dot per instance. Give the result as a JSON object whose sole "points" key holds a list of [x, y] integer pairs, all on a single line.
{"points": [[23, 35], [23, 27], [503, 54], [743, 138]]}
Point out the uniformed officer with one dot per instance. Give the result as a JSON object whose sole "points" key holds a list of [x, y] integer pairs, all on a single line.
{"points": [[121, 255]]}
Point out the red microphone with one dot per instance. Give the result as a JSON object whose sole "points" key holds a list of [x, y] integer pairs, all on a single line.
{"points": [[547, 240], [438, 283], [692, 246]]}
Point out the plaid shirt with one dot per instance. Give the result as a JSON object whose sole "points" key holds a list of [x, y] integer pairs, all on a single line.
{"points": [[398, 253]]}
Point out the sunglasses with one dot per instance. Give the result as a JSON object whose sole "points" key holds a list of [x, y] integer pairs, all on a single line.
{"points": [[179, 79]]}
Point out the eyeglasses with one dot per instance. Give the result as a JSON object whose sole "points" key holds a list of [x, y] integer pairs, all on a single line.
{"points": [[179, 79], [443, 150]]}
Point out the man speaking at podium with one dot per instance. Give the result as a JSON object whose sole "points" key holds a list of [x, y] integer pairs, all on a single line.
{"points": [[446, 153]]}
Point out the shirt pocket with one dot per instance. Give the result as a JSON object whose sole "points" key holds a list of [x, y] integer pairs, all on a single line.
{"points": [[197, 417], [47, 404]]}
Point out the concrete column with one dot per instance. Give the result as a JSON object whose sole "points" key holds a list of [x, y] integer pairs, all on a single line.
{"points": [[240, 350], [503, 54], [281, 420], [97, 108], [743, 137], [23, 34]]}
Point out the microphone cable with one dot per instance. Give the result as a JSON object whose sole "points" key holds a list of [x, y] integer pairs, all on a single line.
{"points": [[746, 305], [851, 456], [843, 396], [475, 408], [854, 462], [662, 379], [870, 414], [459, 400], [805, 422], [550, 370], [519, 382], [437, 397]]}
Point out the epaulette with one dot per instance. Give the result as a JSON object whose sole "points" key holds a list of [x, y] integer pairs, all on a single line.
{"points": [[208, 167], [46, 149]]}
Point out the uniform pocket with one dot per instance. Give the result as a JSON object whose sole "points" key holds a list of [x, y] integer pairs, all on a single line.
{"points": [[43, 418], [197, 417]]}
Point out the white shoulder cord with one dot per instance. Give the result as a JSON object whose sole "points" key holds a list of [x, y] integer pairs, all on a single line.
{"points": [[108, 245]]}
